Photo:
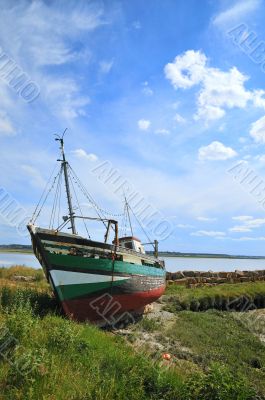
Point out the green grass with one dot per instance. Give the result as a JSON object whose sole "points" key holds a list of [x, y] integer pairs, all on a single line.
{"points": [[60, 359], [53, 358], [70, 361], [9, 273], [222, 297], [215, 336]]}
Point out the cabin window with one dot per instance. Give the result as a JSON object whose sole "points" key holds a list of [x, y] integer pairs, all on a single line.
{"points": [[128, 245]]}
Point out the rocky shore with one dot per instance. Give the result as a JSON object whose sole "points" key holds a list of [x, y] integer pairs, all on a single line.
{"points": [[199, 278]]}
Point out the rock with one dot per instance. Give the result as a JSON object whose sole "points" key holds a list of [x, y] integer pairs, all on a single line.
{"points": [[190, 274], [239, 273], [181, 281], [223, 275], [175, 275], [148, 308], [206, 274]]}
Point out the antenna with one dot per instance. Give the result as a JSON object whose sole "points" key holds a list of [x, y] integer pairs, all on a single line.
{"points": [[128, 213]]}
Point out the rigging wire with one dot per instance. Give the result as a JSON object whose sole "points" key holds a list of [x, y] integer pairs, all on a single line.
{"points": [[92, 201], [128, 214], [56, 196], [139, 222], [49, 191], [79, 207], [55, 182], [44, 190], [124, 223], [59, 205], [87, 195]]}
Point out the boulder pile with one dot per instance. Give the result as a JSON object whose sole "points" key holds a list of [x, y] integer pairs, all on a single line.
{"points": [[210, 278]]}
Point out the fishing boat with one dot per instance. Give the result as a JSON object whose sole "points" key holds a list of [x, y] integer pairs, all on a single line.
{"points": [[97, 281]]}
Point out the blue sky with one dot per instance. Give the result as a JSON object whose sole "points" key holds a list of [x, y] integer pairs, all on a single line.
{"points": [[170, 93]]}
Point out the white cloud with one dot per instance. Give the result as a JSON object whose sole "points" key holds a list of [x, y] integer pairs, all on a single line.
{"points": [[255, 223], [162, 131], [43, 38], [206, 219], [237, 11], [144, 124], [248, 223], [81, 153], [187, 69], [105, 66], [240, 229], [258, 99], [208, 233], [6, 126], [216, 151], [242, 218], [64, 96], [220, 90], [34, 175], [257, 131], [184, 226], [146, 89], [35, 19], [179, 118], [246, 238], [261, 158]]}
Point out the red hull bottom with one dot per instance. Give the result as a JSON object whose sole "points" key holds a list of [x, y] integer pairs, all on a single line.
{"points": [[109, 309]]}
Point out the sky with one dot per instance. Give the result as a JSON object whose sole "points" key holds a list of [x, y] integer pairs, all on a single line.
{"points": [[168, 94]]}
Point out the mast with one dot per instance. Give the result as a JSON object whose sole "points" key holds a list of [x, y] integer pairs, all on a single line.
{"points": [[67, 186]]}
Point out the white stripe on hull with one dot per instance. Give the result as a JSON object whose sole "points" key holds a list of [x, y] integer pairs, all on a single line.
{"points": [[78, 278]]}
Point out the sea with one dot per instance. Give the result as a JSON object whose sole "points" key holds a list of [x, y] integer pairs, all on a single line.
{"points": [[172, 263]]}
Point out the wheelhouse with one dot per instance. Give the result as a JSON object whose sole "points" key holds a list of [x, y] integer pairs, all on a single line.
{"points": [[132, 243]]}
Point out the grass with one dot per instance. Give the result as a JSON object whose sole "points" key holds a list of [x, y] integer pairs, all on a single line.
{"points": [[215, 336], [70, 361], [9, 273], [226, 297], [52, 358]]}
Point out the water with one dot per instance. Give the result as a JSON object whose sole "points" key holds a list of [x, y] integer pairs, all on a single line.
{"points": [[8, 259], [172, 263], [212, 264]]}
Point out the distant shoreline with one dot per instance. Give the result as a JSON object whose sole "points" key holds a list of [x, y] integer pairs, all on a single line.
{"points": [[27, 249], [206, 255], [16, 248], [17, 251]]}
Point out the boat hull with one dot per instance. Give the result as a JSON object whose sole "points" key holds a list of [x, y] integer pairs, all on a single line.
{"points": [[110, 310], [92, 280]]}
